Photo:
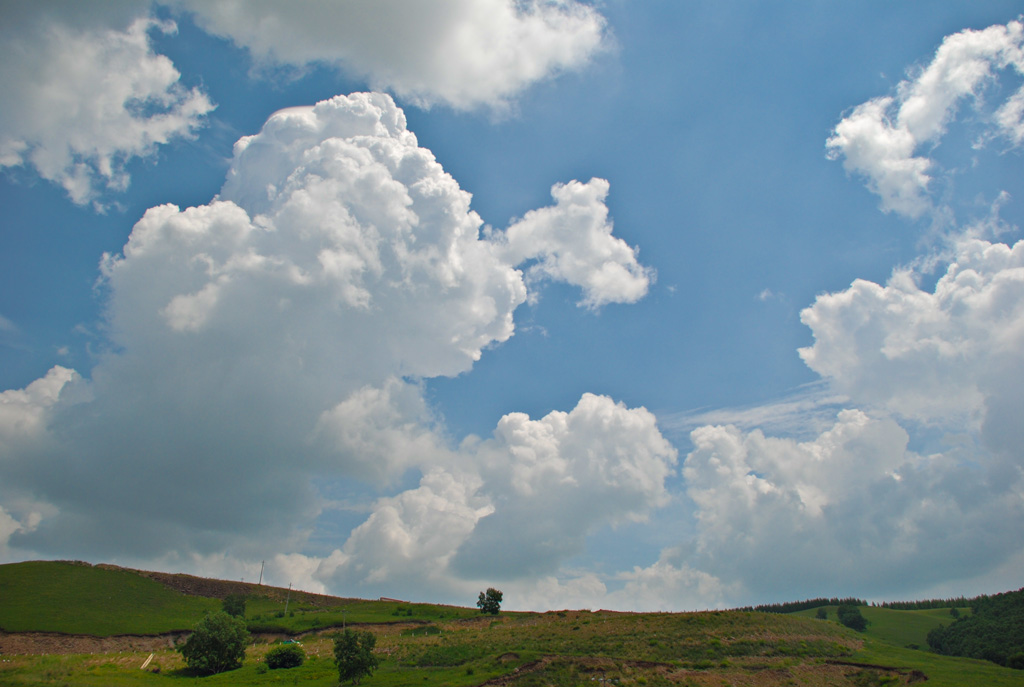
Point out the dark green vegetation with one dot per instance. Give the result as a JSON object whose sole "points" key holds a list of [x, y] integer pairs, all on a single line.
{"points": [[794, 606], [994, 631], [234, 604], [850, 616], [420, 644], [285, 656], [489, 601], [217, 644], [353, 653]]}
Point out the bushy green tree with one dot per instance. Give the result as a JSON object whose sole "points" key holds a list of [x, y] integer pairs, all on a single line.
{"points": [[822, 613], [850, 616], [285, 656], [490, 601], [353, 652], [234, 604], [216, 644]]}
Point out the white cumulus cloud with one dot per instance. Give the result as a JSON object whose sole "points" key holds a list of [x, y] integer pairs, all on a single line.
{"points": [[513, 507], [852, 509], [83, 96], [269, 346], [952, 353], [464, 53], [572, 241], [882, 138]]}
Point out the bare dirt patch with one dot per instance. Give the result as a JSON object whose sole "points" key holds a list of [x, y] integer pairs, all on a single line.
{"points": [[54, 643]]}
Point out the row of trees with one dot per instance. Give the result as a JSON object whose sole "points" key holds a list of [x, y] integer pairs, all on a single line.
{"points": [[794, 606], [957, 602]]}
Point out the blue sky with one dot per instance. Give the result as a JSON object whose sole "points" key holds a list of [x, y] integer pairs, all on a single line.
{"points": [[653, 306]]}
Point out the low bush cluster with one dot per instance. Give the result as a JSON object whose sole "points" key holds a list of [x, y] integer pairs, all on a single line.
{"points": [[285, 656]]}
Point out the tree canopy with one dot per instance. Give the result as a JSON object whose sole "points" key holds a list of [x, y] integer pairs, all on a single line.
{"points": [[353, 652], [216, 644], [850, 616], [234, 604], [490, 601]]}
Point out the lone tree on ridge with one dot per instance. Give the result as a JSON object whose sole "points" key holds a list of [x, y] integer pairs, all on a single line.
{"points": [[490, 601]]}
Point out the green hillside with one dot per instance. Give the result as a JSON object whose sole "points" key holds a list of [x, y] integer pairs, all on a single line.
{"points": [[77, 598], [423, 644], [899, 628]]}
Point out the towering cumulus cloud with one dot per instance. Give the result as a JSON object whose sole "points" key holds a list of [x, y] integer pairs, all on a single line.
{"points": [[273, 341]]}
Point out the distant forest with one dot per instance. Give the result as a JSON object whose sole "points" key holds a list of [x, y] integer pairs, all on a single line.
{"points": [[958, 602], [994, 631], [794, 606]]}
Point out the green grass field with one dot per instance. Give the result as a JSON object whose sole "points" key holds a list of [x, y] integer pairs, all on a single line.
{"points": [[422, 644], [899, 628], [73, 598]]}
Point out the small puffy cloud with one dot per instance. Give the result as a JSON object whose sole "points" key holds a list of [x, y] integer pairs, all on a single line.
{"points": [[24, 412], [84, 96], [572, 242], [880, 139], [463, 53]]}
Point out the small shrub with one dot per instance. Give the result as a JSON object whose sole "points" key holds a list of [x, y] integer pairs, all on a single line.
{"points": [[261, 669], [285, 656]]}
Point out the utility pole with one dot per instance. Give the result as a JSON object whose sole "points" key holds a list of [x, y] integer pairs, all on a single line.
{"points": [[261, 572], [288, 598]]}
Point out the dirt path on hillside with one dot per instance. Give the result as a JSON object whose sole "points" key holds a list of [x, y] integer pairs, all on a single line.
{"points": [[54, 643]]}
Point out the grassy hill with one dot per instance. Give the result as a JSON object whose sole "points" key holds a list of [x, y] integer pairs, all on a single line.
{"points": [[77, 598], [899, 628], [423, 644]]}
